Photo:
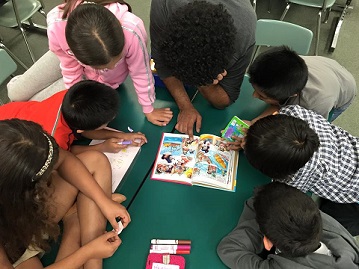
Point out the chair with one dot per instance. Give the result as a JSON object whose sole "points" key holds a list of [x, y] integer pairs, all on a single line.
{"points": [[2, 46], [277, 33], [13, 14], [7, 67], [324, 6]]}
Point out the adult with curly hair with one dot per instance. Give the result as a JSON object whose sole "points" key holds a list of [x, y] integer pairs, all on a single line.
{"points": [[207, 44]]}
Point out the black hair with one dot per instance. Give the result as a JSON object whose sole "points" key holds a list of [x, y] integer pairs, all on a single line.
{"points": [[288, 218], [198, 42], [25, 214], [89, 104], [279, 145], [94, 34], [279, 72]]}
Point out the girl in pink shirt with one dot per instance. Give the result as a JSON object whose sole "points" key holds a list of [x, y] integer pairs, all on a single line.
{"points": [[106, 45]]}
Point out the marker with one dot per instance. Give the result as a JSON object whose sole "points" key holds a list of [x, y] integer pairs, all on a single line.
{"points": [[171, 247], [170, 242], [120, 227], [125, 142], [170, 251]]}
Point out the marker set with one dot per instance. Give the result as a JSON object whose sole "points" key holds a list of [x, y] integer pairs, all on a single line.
{"points": [[170, 246]]}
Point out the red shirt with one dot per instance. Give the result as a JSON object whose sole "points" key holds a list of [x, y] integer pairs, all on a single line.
{"points": [[47, 113]]}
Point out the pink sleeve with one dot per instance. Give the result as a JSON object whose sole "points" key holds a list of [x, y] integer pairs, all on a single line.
{"points": [[71, 70], [138, 62]]}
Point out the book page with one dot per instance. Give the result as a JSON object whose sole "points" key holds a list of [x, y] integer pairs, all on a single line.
{"points": [[175, 158], [214, 163], [120, 162]]}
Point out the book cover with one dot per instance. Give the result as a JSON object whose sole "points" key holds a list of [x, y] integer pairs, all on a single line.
{"points": [[120, 162], [202, 161], [235, 127]]}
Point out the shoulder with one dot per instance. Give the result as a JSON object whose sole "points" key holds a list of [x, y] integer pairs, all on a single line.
{"points": [[55, 15], [10, 110]]}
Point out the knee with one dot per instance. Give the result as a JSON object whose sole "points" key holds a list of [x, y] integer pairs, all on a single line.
{"points": [[13, 91], [94, 160]]}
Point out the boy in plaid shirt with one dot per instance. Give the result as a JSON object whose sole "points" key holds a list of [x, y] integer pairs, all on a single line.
{"points": [[302, 149]]}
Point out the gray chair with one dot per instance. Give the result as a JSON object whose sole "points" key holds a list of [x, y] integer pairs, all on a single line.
{"points": [[272, 33], [2, 46], [7, 66], [324, 6], [18, 13]]}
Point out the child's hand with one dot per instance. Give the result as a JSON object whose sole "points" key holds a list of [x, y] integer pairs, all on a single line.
{"points": [[160, 116], [112, 210], [238, 144], [103, 246], [138, 139], [112, 145]]}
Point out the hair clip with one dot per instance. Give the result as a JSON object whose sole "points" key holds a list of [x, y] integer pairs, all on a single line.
{"points": [[48, 160]]}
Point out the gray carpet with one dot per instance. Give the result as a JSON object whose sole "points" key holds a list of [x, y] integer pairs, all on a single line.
{"points": [[346, 51]]}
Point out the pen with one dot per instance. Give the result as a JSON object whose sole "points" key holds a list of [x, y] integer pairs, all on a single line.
{"points": [[125, 142], [170, 251], [170, 247], [170, 242]]}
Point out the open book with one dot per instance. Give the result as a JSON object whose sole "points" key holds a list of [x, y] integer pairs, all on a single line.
{"points": [[120, 162], [203, 161]]}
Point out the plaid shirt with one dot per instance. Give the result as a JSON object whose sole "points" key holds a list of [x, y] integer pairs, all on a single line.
{"points": [[333, 171]]}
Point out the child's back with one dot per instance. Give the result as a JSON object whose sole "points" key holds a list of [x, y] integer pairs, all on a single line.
{"points": [[284, 220]]}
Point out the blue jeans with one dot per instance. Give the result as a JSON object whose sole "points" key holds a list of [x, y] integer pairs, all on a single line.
{"points": [[335, 112]]}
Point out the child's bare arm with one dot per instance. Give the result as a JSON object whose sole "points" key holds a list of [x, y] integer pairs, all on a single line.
{"points": [[269, 111], [74, 171], [4, 261], [112, 143], [102, 247]]}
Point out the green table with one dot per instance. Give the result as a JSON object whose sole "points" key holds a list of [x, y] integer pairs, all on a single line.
{"points": [[130, 115], [172, 211]]}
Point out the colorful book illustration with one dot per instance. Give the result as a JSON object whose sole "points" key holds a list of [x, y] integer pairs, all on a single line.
{"points": [[235, 127], [203, 161], [120, 162]]}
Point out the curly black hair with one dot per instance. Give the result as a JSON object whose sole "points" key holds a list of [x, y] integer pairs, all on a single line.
{"points": [[198, 42]]}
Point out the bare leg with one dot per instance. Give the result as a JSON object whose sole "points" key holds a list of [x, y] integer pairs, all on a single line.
{"points": [[92, 222], [70, 241]]}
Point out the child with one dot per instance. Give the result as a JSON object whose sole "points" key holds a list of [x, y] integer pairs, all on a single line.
{"points": [[281, 77], [283, 220], [302, 149], [39, 182], [103, 42], [85, 108]]}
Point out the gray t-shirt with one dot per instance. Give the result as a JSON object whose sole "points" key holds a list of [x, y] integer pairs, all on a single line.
{"points": [[244, 20], [329, 86]]}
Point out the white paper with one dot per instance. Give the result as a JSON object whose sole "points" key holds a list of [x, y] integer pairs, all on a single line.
{"points": [[164, 266], [120, 162]]}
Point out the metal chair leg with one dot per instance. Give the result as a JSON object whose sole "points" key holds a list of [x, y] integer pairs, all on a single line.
{"points": [[319, 21], [285, 12], [22, 30], [269, 6]]}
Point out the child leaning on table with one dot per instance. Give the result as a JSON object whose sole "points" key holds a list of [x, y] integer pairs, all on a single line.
{"points": [[281, 77], [302, 149], [281, 227], [39, 183], [99, 40], [85, 109]]}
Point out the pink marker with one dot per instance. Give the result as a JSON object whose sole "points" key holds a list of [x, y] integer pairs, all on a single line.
{"points": [[171, 247]]}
